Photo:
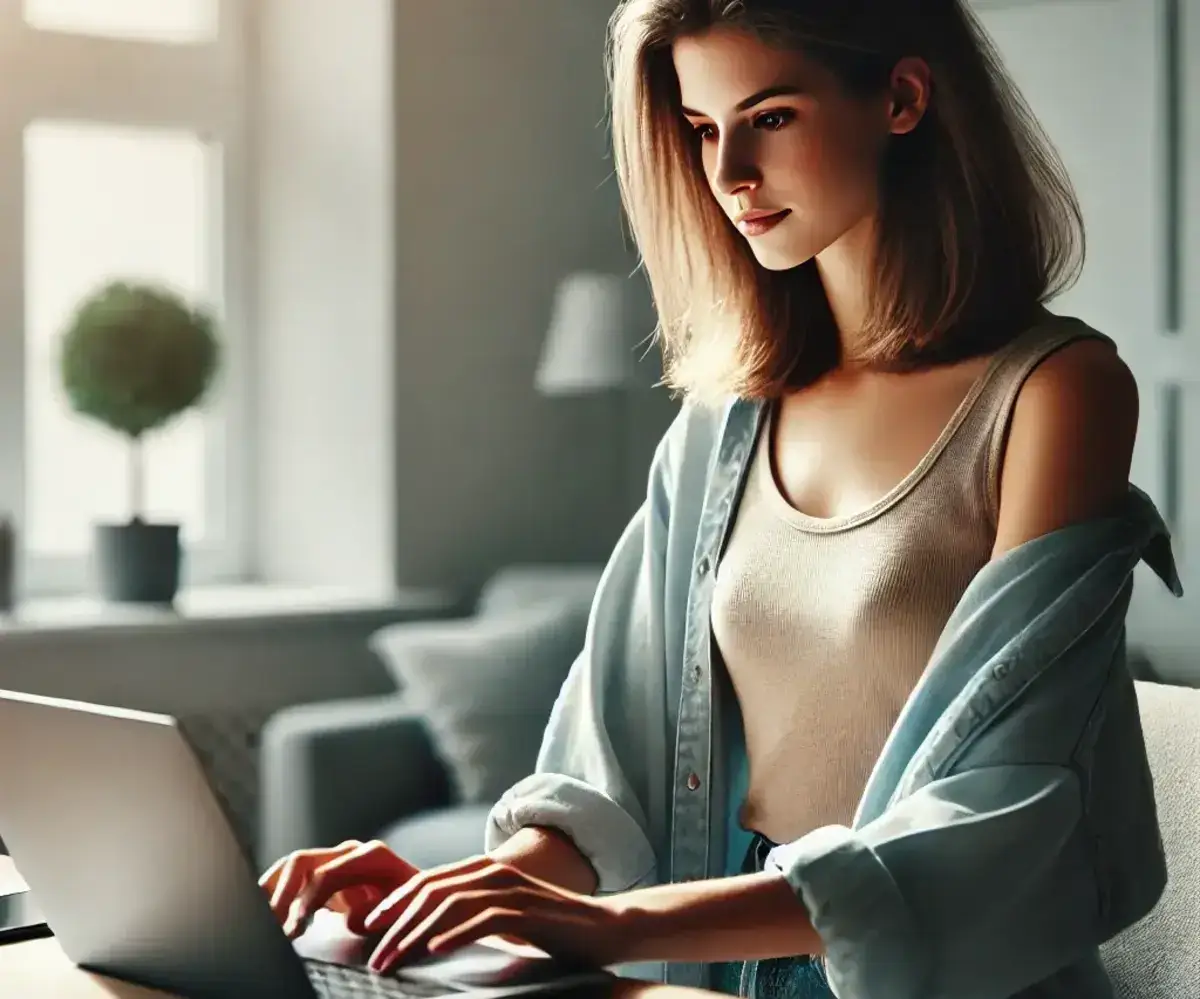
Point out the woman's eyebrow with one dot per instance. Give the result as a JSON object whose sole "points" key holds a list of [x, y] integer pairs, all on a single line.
{"points": [[758, 98]]}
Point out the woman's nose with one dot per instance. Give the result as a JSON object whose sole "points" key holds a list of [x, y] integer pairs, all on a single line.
{"points": [[736, 170]]}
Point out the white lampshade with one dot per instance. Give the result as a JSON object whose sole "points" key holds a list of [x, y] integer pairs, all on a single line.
{"points": [[598, 330]]}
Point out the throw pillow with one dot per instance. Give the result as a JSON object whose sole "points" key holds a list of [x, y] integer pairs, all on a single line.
{"points": [[485, 687]]}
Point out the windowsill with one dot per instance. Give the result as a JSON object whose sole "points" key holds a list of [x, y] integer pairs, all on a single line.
{"points": [[207, 607]]}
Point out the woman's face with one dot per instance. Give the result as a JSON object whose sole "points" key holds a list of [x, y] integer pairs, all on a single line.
{"points": [[778, 134]]}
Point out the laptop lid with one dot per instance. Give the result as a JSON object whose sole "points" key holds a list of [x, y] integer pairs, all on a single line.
{"points": [[112, 822]]}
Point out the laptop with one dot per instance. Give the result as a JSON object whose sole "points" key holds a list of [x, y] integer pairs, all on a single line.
{"points": [[132, 861]]}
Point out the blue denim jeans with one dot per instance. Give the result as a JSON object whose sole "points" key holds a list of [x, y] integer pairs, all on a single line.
{"points": [[776, 978]]}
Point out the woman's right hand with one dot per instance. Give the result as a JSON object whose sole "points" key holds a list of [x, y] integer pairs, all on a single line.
{"points": [[351, 878]]}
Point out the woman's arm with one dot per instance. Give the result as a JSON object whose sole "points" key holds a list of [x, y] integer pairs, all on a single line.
{"points": [[1070, 444], [548, 855], [751, 917]]}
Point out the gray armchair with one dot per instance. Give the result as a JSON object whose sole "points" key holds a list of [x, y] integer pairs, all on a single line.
{"points": [[307, 753], [373, 767], [1159, 957]]}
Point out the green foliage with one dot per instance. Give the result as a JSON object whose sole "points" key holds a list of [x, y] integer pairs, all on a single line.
{"points": [[134, 356]]}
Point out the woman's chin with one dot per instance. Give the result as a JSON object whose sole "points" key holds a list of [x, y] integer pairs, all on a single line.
{"points": [[780, 258]]}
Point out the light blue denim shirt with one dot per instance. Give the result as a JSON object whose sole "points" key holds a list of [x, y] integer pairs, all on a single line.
{"points": [[1008, 827]]}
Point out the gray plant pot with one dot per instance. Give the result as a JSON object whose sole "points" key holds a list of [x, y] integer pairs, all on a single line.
{"points": [[137, 562]]}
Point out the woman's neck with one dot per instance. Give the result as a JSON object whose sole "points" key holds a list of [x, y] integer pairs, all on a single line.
{"points": [[843, 268]]}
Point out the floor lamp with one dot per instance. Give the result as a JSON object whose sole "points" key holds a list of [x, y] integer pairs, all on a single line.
{"points": [[599, 328]]}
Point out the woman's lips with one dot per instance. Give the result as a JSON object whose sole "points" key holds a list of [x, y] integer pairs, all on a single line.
{"points": [[763, 223]]}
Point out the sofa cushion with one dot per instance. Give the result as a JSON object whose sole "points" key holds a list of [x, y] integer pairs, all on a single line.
{"points": [[485, 687], [440, 836], [1159, 957], [521, 586]]}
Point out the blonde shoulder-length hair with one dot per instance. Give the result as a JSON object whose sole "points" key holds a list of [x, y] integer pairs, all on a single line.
{"points": [[978, 223]]}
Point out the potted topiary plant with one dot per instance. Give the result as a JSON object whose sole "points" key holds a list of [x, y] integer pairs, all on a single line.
{"points": [[134, 357]]}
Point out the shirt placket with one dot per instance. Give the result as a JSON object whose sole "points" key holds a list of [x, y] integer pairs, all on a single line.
{"points": [[692, 799]]}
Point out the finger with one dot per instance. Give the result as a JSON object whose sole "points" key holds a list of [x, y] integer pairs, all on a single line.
{"points": [[421, 892], [271, 875], [408, 939], [268, 878], [432, 886], [294, 873], [280, 880], [490, 922], [366, 863], [290, 882], [360, 903]]}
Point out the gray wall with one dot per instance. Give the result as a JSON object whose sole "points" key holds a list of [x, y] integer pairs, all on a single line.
{"points": [[503, 184]]}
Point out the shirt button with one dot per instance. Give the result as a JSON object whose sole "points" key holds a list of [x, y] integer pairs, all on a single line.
{"points": [[703, 565], [697, 672], [693, 781]]}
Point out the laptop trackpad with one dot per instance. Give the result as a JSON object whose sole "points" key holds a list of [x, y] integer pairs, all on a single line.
{"points": [[327, 939]]}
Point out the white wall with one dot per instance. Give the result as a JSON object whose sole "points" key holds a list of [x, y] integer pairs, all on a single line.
{"points": [[325, 316], [429, 171]]}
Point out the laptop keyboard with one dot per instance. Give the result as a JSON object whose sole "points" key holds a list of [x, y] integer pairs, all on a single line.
{"points": [[335, 981]]}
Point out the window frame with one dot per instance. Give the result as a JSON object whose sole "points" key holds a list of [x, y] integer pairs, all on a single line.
{"points": [[201, 87]]}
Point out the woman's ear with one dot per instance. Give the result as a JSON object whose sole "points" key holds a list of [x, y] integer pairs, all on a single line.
{"points": [[911, 87]]}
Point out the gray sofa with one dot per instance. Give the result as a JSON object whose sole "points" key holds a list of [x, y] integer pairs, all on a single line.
{"points": [[1159, 958], [372, 768], [403, 767]]}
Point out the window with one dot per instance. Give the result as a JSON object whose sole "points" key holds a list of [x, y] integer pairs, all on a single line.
{"points": [[144, 206], [180, 21], [122, 157]]}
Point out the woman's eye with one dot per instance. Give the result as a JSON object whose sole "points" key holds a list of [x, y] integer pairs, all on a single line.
{"points": [[773, 121]]}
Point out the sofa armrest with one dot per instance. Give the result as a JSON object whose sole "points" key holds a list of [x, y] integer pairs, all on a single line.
{"points": [[343, 770]]}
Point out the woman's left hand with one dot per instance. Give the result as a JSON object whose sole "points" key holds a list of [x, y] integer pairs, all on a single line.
{"points": [[443, 908]]}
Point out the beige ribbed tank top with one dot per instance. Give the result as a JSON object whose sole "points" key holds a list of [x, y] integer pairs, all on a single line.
{"points": [[825, 625]]}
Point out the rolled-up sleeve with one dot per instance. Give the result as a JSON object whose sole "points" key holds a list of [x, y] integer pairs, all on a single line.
{"points": [[612, 840], [974, 887]]}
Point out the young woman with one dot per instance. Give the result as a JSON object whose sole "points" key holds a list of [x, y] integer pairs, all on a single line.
{"points": [[850, 222]]}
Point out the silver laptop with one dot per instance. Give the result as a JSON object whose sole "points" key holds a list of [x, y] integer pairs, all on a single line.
{"points": [[131, 858]]}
